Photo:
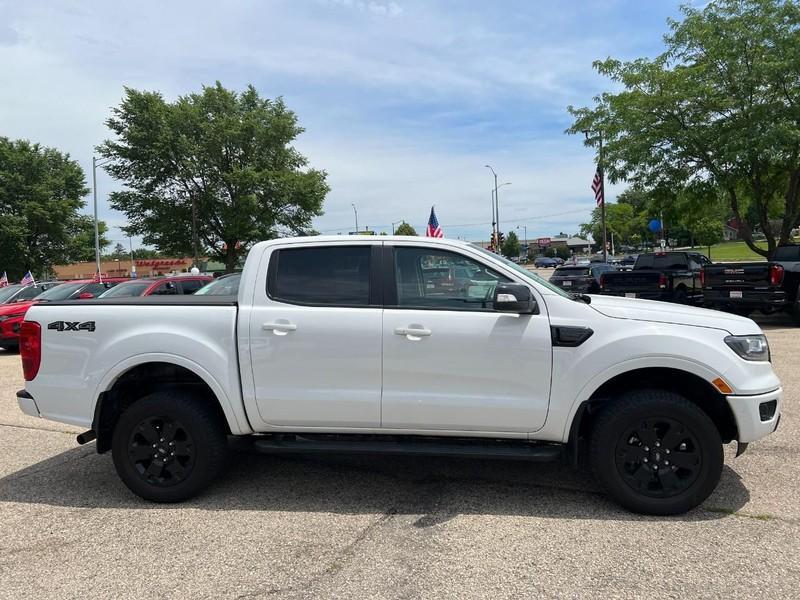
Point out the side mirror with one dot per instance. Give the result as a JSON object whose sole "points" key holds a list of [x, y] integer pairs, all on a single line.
{"points": [[85, 296], [514, 298]]}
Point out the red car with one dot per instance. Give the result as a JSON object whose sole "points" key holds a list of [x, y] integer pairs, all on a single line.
{"points": [[159, 286], [12, 315]]}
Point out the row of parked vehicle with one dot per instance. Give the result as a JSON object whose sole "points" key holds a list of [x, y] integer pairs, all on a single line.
{"points": [[15, 300], [691, 278]]}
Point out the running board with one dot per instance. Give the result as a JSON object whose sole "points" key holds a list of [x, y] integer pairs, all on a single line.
{"points": [[414, 446]]}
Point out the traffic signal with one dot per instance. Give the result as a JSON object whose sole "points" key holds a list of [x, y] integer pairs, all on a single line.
{"points": [[500, 238]]}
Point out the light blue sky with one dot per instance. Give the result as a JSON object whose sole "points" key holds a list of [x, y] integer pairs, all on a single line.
{"points": [[404, 101]]}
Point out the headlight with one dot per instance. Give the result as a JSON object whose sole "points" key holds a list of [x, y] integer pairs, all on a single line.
{"points": [[749, 347]]}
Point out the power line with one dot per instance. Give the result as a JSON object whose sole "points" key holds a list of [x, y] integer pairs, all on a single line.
{"points": [[454, 225]]}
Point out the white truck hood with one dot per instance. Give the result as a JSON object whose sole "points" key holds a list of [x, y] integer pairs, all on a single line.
{"points": [[679, 314]]}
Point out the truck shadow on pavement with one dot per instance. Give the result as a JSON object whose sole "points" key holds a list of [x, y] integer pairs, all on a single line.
{"points": [[435, 489]]}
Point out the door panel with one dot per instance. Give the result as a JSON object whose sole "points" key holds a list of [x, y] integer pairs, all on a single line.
{"points": [[449, 361], [315, 363]]}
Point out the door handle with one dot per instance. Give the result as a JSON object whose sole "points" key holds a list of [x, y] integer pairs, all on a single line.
{"points": [[413, 331], [278, 326]]}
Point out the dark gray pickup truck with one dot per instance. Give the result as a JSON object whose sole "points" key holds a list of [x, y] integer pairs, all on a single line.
{"points": [[764, 286], [668, 276]]}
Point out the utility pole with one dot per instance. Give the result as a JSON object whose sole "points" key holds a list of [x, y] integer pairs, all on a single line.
{"points": [[133, 264], [494, 224], [194, 231], [496, 241]]}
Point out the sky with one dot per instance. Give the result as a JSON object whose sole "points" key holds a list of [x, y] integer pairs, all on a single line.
{"points": [[404, 102]]}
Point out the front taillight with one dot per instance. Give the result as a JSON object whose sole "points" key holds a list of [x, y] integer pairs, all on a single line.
{"points": [[662, 281], [775, 274], [703, 277], [30, 348]]}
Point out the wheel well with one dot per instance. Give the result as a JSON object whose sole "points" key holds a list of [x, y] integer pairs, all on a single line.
{"points": [[690, 386], [139, 382]]}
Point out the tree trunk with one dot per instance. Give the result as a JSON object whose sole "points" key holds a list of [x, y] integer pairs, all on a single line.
{"points": [[231, 257], [744, 227]]}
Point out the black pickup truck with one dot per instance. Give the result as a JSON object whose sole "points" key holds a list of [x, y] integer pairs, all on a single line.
{"points": [[668, 276], [765, 286]]}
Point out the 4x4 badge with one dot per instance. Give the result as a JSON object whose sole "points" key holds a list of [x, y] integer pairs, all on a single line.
{"points": [[72, 326]]}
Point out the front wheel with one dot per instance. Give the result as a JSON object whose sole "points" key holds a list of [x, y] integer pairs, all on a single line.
{"points": [[169, 446], [656, 453]]}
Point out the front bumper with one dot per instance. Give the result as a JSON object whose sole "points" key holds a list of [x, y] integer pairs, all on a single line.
{"points": [[753, 420], [27, 404]]}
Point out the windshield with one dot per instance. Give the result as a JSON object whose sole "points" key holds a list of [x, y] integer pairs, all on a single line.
{"points": [[60, 292], [8, 292], [127, 290], [523, 271], [228, 285]]}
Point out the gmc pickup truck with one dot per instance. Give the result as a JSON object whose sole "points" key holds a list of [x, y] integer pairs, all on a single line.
{"points": [[668, 276], [764, 286], [347, 344]]}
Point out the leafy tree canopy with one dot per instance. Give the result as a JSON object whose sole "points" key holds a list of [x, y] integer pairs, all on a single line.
{"points": [[719, 108], [511, 246], [405, 229], [41, 192], [227, 154]]}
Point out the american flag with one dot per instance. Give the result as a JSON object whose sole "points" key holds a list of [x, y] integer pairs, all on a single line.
{"points": [[4, 280], [597, 187], [433, 226], [28, 279]]}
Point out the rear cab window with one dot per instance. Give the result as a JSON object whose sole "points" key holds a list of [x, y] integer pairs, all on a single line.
{"points": [[322, 276]]}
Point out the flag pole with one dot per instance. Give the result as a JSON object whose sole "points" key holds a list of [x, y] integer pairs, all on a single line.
{"points": [[603, 192]]}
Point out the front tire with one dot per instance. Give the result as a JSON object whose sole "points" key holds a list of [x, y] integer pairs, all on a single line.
{"points": [[169, 446], [656, 453]]}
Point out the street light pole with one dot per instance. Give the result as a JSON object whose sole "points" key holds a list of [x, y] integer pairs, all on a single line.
{"points": [[95, 164], [496, 211], [355, 211]]}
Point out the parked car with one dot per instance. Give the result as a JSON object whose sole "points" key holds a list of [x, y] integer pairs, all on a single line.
{"points": [[668, 276], [12, 315], [225, 285], [158, 286], [747, 286], [14, 303], [581, 279], [335, 345], [545, 262]]}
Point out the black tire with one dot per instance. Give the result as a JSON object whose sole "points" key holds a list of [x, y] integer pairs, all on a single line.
{"points": [[183, 432], [680, 296], [644, 431], [10, 347]]}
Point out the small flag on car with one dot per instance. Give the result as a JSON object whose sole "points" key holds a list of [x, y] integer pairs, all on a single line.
{"points": [[4, 280], [433, 226], [28, 279]]}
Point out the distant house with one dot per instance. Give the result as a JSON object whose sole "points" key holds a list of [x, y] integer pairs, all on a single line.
{"points": [[730, 234], [575, 244]]}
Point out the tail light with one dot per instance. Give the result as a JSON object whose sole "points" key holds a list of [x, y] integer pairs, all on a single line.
{"points": [[30, 348], [602, 282], [662, 281], [775, 274], [703, 277]]}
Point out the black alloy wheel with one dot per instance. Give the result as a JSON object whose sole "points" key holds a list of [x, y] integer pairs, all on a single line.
{"points": [[169, 445], [162, 451], [655, 452]]}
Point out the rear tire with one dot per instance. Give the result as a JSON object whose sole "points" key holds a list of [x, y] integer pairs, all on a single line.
{"points": [[656, 453], [169, 446]]}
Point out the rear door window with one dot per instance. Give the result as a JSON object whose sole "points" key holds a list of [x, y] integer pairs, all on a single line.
{"points": [[322, 276], [645, 261], [165, 288], [190, 286]]}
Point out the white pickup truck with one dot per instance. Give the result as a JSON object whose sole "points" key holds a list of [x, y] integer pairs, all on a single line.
{"points": [[403, 345]]}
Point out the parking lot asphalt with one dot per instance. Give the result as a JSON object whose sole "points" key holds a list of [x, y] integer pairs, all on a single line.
{"points": [[338, 527]]}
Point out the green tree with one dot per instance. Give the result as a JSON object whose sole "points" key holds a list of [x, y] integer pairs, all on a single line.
{"points": [[707, 232], [405, 229], [81, 238], [225, 156], [720, 107], [511, 246], [621, 220], [41, 192]]}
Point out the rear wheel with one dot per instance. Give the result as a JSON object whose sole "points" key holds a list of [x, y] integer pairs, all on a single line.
{"points": [[656, 453], [169, 446]]}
